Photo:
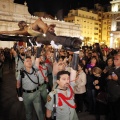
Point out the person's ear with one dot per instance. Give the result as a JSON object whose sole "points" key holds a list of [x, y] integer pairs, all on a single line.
{"points": [[58, 81]]}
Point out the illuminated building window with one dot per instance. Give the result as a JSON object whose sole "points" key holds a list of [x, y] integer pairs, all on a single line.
{"points": [[118, 7], [118, 26], [95, 28], [95, 33], [96, 23]]}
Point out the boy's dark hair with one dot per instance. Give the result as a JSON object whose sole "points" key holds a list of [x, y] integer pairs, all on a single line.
{"points": [[81, 65], [94, 51], [62, 57], [62, 73], [28, 57]]}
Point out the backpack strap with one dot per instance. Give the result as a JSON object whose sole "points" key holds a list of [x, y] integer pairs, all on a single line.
{"points": [[31, 74], [19, 57]]}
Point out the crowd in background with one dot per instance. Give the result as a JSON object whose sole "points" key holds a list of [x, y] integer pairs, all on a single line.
{"points": [[95, 66]]}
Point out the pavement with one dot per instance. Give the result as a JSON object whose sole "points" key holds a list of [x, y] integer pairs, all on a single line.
{"points": [[11, 108]]}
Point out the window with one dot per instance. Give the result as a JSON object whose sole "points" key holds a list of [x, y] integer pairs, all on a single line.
{"points": [[96, 23], [118, 7], [99, 14], [107, 16], [118, 26], [95, 33], [95, 28]]}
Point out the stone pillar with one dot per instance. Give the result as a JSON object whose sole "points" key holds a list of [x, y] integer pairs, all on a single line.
{"points": [[111, 40]]}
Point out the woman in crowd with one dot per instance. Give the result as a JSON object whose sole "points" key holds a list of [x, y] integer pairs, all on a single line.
{"points": [[96, 47], [100, 92], [80, 88], [90, 90], [109, 65]]}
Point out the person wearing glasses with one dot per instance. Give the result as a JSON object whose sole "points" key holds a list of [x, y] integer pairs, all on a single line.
{"points": [[113, 88]]}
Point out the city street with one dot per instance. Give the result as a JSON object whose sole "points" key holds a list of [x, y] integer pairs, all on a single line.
{"points": [[11, 108]]}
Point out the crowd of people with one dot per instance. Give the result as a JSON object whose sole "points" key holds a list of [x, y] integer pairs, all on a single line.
{"points": [[61, 82], [47, 72]]}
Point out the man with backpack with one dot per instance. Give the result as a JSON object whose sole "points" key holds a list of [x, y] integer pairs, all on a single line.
{"points": [[19, 55]]}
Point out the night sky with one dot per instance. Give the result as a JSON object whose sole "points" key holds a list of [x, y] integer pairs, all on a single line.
{"points": [[53, 6]]}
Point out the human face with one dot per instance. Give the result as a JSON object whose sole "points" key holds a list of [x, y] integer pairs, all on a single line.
{"points": [[42, 59], [83, 62], [93, 61], [110, 62], [117, 61], [79, 68], [28, 63], [48, 55], [65, 59], [60, 60], [64, 80], [20, 26], [81, 54], [61, 66], [95, 54], [22, 52], [96, 74], [86, 53], [70, 58]]}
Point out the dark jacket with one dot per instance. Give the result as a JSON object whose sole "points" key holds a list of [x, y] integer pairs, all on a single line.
{"points": [[113, 87]]}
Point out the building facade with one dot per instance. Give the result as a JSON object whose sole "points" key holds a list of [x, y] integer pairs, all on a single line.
{"points": [[90, 24], [106, 27], [11, 13], [98, 26], [115, 26]]}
